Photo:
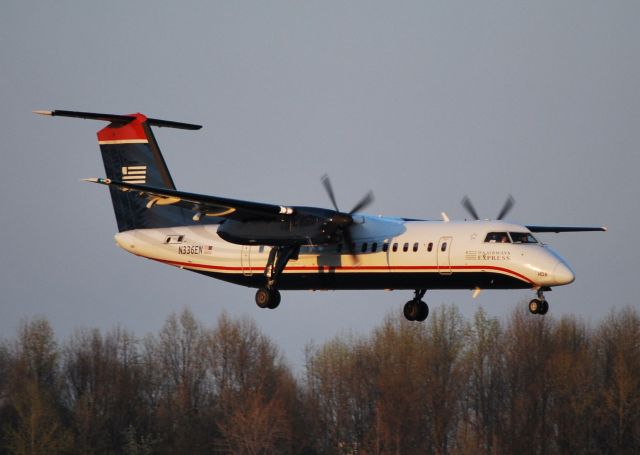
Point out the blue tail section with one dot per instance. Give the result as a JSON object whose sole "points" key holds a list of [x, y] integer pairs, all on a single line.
{"points": [[130, 153]]}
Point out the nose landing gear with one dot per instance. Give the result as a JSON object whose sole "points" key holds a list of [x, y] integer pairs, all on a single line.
{"points": [[540, 304], [416, 309]]}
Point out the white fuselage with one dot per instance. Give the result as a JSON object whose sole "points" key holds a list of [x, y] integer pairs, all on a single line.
{"points": [[417, 255]]}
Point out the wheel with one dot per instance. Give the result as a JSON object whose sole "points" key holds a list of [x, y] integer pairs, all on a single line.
{"points": [[534, 306], [544, 307], [275, 299], [411, 310], [263, 297], [423, 311]]}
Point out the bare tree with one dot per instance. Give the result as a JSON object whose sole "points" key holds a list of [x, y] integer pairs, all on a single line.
{"points": [[401, 416], [618, 346], [255, 392], [38, 429], [255, 427], [340, 388], [528, 348], [484, 364], [178, 354], [103, 389], [573, 390], [33, 393], [526, 385], [444, 375]]}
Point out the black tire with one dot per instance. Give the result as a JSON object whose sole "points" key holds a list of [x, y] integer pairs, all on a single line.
{"points": [[423, 311], [275, 299], [411, 310], [263, 297], [544, 307], [534, 306]]}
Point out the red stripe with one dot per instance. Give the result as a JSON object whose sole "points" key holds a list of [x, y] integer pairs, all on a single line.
{"points": [[361, 268], [129, 131]]}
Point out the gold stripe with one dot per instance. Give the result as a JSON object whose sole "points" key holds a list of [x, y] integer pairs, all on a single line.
{"points": [[223, 213], [124, 141]]}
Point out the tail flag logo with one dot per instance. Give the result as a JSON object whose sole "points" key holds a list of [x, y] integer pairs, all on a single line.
{"points": [[134, 174]]}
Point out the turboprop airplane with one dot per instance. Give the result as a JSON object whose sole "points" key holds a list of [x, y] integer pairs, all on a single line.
{"points": [[279, 247]]}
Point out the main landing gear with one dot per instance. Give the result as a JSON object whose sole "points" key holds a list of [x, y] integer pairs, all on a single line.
{"points": [[540, 304], [416, 309], [269, 296]]}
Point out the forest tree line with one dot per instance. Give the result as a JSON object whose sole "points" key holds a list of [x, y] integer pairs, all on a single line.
{"points": [[524, 384]]}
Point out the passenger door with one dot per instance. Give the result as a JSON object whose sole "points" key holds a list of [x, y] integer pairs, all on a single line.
{"points": [[245, 260]]}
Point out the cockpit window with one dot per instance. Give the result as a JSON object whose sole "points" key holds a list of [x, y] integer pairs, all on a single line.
{"points": [[497, 237], [522, 237]]}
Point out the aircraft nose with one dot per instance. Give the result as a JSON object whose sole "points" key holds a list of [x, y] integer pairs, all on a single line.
{"points": [[563, 274]]}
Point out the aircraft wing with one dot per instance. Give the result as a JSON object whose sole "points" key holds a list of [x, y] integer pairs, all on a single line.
{"points": [[557, 229], [201, 204]]}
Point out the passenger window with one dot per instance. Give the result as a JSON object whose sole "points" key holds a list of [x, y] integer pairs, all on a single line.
{"points": [[364, 247], [430, 247], [395, 247], [374, 247], [497, 237], [385, 247], [444, 246], [405, 247], [174, 239], [415, 247]]}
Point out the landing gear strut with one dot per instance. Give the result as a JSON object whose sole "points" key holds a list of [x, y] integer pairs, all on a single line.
{"points": [[278, 258], [540, 304], [269, 296], [416, 309]]}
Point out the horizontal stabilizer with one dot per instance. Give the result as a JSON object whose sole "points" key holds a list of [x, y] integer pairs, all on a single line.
{"points": [[115, 118], [557, 229]]}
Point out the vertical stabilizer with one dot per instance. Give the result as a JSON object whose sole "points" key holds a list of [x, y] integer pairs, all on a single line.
{"points": [[131, 154]]}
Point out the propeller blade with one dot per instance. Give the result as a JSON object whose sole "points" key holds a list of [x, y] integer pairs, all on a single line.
{"points": [[506, 208], [327, 186], [364, 202], [466, 203]]}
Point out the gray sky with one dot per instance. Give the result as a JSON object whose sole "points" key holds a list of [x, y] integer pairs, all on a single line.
{"points": [[422, 102]]}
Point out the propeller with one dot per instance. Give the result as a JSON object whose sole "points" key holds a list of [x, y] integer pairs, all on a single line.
{"points": [[343, 221], [506, 208], [466, 203], [327, 186]]}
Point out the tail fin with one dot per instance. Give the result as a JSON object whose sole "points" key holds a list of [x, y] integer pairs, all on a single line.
{"points": [[131, 154]]}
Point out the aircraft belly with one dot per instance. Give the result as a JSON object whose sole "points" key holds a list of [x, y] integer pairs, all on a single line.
{"points": [[377, 280]]}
